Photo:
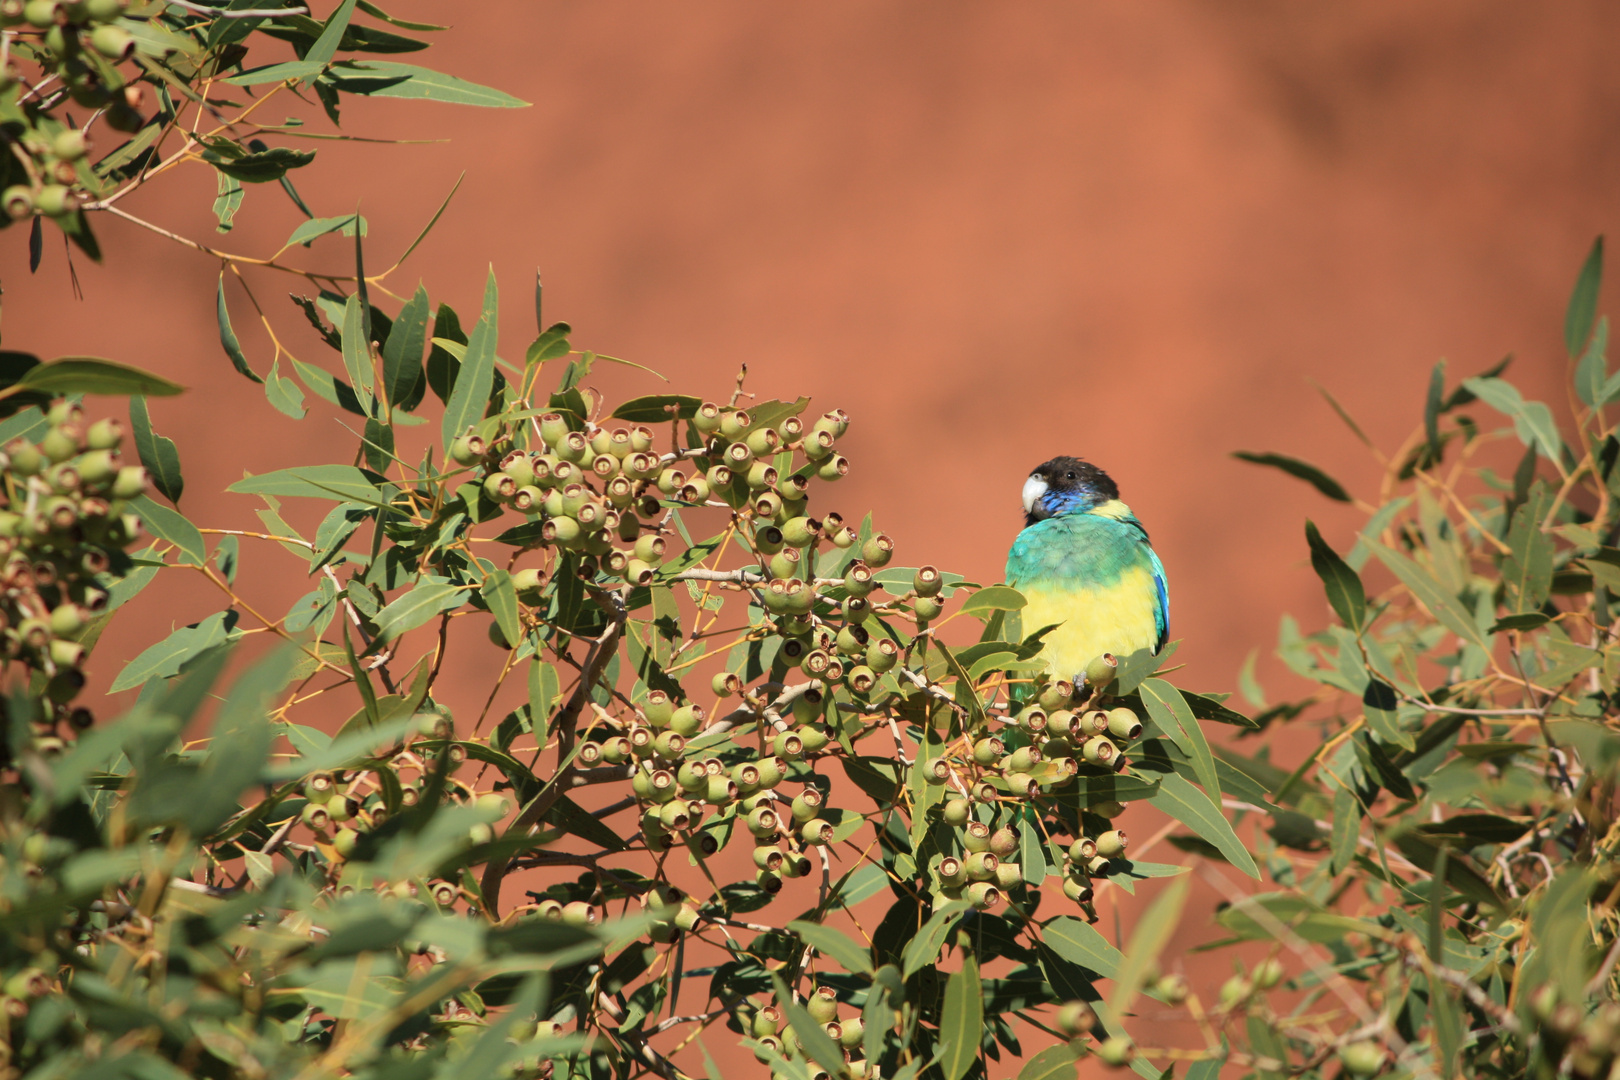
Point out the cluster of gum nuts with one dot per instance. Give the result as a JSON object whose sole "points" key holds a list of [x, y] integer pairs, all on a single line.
{"points": [[79, 41], [64, 514], [1064, 731]]}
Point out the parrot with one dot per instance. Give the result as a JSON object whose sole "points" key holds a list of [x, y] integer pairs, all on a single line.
{"points": [[1084, 564]]}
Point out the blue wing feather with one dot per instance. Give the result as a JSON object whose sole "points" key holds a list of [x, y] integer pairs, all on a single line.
{"points": [[1161, 610]]}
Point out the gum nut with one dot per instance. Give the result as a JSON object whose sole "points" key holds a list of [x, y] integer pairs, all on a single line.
{"points": [[1098, 866], [760, 476], [813, 737], [737, 458], [670, 745], [764, 821], [987, 751], [66, 620], [950, 871], [1054, 695], [1108, 809], [1078, 891], [788, 745], [674, 815], [650, 548], [105, 434], [692, 777], [762, 441], [1172, 988], [801, 531], [927, 581], [845, 537], [1111, 844], [806, 805], [719, 477], [687, 720], [500, 487], [529, 580], [770, 772], [316, 817], [722, 790], [878, 550], [1115, 1051], [1101, 671], [1022, 785], [822, 1004], [1003, 843], [1083, 850], [936, 771], [1235, 991], [1023, 759], [976, 838], [882, 654], [767, 857], [854, 1030], [981, 865], [851, 640], [66, 654], [983, 895], [637, 572], [725, 684], [746, 774], [833, 468], [1098, 750], [817, 831], [578, 913], [1124, 724], [113, 42], [860, 679], [706, 417], [734, 423], [769, 881], [807, 707], [957, 812], [858, 579], [1009, 875], [695, 491], [53, 200], [1059, 723], [1364, 1058], [784, 564], [1267, 973]]}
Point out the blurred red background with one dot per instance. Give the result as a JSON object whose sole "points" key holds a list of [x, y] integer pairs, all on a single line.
{"points": [[992, 233]]}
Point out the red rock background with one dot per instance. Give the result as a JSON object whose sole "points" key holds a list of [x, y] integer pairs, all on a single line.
{"points": [[993, 233]]}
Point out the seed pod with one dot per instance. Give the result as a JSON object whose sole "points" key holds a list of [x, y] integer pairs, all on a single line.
{"points": [[1235, 991], [1009, 876], [1059, 723], [1091, 723], [784, 564], [687, 720], [833, 468], [764, 822], [976, 837], [674, 815], [983, 895], [1102, 670], [722, 790], [706, 418], [560, 530], [806, 804], [1056, 694], [1098, 750], [573, 448], [1022, 760], [936, 771], [1078, 891], [746, 774], [762, 442], [694, 491], [1098, 866], [950, 871], [767, 857], [1111, 844], [1033, 720], [771, 770], [817, 831], [858, 579], [787, 744], [1123, 724], [637, 572], [734, 422], [988, 751], [822, 1004], [860, 680], [981, 865], [1108, 809], [615, 751], [1364, 1058], [17, 201], [1267, 973], [719, 477], [725, 683], [1083, 850], [881, 654], [851, 640], [669, 745], [878, 550], [801, 531], [957, 812], [927, 609], [760, 476], [1004, 843]]}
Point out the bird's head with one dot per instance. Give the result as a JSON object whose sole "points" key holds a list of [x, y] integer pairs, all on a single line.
{"points": [[1065, 485]]}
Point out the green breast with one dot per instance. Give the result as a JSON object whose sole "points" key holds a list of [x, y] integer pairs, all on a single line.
{"points": [[1076, 551]]}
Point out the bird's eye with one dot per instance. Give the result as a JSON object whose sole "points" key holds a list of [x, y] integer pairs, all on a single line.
{"points": [[1068, 476]]}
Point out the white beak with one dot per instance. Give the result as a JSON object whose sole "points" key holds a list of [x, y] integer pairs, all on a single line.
{"points": [[1034, 488]]}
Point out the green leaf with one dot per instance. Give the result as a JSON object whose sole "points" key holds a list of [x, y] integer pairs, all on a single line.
{"points": [[1307, 472], [1054, 1063], [1169, 710], [1528, 568], [852, 956], [923, 949], [1079, 942], [168, 656], [1184, 802], [415, 607], [92, 375], [1592, 373], [261, 166], [227, 336], [993, 598], [1532, 421], [283, 393], [158, 454], [170, 525], [1031, 855], [240, 743], [357, 351], [402, 352], [470, 395], [315, 227], [1206, 1069], [961, 1020], [326, 45], [1343, 585], [1583, 300], [1346, 829], [228, 201], [1148, 939], [656, 408], [498, 593], [1441, 604], [341, 482], [275, 73], [378, 78]]}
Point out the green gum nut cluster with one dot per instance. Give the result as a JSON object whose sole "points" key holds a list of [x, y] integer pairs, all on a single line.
{"points": [[82, 44], [1061, 731], [65, 519]]}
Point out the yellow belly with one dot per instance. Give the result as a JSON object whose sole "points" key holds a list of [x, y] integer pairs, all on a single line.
{"points": [[1116, 619]]}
